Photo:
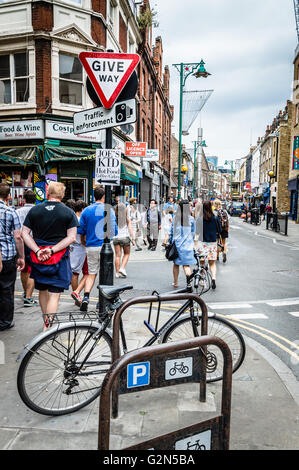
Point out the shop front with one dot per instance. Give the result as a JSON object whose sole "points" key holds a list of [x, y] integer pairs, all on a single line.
{"points": [[130, 179], [293, 187]]}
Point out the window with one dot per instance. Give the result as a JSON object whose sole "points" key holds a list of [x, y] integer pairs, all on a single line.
{"points": [[14, 78], [70, 80], [112, 12]]}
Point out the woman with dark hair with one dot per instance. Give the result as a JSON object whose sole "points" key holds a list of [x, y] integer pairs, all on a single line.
{"points": [[123, 239], [211, 228], [182, 233]]}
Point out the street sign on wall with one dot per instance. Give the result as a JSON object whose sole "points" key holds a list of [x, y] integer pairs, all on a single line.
{"points": [[108, 73], [135, 149], [108, 167], [96, 119]]}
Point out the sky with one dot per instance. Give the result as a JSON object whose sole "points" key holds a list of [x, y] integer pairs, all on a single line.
{"points": [[248, 47]]}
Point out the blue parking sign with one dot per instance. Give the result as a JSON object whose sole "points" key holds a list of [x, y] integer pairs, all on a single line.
{"points": [[138, 375]]}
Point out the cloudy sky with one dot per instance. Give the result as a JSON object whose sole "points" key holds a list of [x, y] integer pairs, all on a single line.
{"points": [[248, 47]]}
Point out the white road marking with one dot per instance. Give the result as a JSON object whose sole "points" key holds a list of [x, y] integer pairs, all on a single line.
{"points": [[229, 306], [294, 314], [248, 316], [282, 303]]}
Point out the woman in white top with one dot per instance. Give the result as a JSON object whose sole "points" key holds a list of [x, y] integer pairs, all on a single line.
{"points": [[123, 240]]}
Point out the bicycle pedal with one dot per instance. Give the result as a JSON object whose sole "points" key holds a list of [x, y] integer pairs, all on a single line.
{"points": [[150, 327]]}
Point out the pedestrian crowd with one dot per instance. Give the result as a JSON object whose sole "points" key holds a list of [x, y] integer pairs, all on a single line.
{"points": [[55, 244]]}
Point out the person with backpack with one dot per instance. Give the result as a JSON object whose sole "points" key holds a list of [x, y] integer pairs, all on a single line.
{"points": [[223, 218]]}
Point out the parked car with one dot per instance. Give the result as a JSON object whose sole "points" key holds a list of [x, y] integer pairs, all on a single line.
{"points": [[236, 208]]}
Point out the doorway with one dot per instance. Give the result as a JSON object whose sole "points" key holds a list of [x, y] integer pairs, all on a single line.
{"points": [[76, 188]]}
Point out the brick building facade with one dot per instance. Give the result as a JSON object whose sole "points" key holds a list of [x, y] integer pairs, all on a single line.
{"points": [[42, 85], [156, 115]]}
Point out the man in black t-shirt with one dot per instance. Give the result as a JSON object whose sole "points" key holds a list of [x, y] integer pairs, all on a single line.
{"points": [[54, 226]]}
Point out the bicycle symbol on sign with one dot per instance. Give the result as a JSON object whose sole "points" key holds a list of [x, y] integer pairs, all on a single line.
{"points": [[195, 446], [181, 368]]}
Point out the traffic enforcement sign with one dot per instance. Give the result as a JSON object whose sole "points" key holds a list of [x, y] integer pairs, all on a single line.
{"points": [[108, 166], [108, 73], [135, 149], [96, 119]]}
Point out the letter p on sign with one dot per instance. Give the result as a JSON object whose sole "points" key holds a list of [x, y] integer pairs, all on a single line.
{"points": [[138, 375]]}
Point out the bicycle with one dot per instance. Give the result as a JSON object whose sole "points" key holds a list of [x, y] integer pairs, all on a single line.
{"points": [[62, 369], [181, 368]]}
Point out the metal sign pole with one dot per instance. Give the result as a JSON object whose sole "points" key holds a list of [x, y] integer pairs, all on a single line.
{"points": [[106, 274]]}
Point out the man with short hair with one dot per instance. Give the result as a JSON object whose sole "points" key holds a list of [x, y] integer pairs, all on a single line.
{"points": [[54, 229], [92, 223], [12, 250], [27, 282]]}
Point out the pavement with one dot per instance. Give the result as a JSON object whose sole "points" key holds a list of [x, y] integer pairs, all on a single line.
{"points": [[265, 392], [291, 237]]}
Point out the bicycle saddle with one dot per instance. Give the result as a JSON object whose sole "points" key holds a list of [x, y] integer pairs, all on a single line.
{"points": [[111, 292]]}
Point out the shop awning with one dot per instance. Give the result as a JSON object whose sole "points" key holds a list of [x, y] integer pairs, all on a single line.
{"points": [[129, 172], [65, 154], [20, 155]]}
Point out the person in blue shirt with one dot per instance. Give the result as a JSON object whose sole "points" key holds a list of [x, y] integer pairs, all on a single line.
{"points": [[182, 232], [92, 223]]}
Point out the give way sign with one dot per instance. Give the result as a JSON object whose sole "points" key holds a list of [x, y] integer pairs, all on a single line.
{"points": [[109, 73]]}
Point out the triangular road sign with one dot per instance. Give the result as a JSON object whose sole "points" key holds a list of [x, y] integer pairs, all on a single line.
{"points": [[109, 73]]}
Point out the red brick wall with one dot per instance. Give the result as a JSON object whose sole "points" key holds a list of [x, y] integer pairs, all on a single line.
{"points": [[122, 34], [98, 31], [100, 6], [43, 75], [42, 16]]}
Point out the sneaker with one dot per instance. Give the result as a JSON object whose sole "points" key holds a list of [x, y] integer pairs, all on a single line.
{"points": [[122, 272], [138, 249], [84, 305], [29, 302], [224, 257], [3, 328], [77, 298], [213, 284], [117, 275]]}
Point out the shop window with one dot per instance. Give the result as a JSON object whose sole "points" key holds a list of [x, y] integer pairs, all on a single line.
{"points": [[14, 78], [70, 80]]}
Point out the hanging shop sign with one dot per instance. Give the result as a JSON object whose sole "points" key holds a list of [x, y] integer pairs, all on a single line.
{"points": [[152, 155], [108, 167], [135, 149], [296, 153], [20, 130]]}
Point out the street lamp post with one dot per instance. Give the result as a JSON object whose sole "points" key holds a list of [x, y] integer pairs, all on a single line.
{"points": [[185, 70], [197, 144], [231, 163]]}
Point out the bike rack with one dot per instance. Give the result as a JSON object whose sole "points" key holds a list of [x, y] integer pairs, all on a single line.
{"points": [[151, 299], [212, 434]]}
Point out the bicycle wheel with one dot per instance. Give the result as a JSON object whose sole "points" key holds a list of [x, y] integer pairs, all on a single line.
{"points": [[186, 328], [50, 381]]}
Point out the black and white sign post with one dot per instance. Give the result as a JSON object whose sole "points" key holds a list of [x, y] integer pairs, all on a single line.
{"points": [[113, 79]]}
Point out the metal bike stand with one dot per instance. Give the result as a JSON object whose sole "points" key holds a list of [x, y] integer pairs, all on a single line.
{"points": [[152, 299], [212, 434]]}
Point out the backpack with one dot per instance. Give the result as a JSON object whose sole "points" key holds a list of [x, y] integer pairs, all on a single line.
{"points": [[223, 216]]}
